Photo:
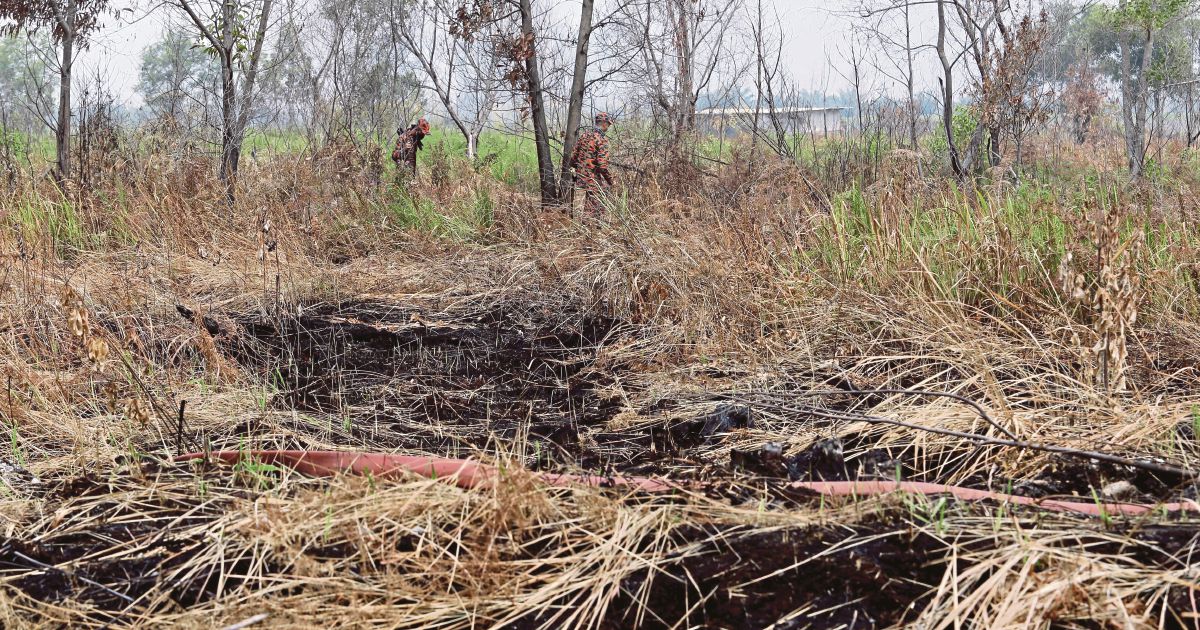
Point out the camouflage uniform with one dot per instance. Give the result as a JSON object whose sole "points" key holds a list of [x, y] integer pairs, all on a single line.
{"points": [[408, 144], [590, 161]]}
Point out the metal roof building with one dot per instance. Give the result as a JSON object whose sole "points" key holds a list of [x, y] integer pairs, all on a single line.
{"points": [[733, 120]]}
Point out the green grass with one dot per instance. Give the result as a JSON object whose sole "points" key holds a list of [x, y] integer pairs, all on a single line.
{"points": [[969, 246], [274, 141], [975, 249], [462, 221], [510, 158], [58, 220]]}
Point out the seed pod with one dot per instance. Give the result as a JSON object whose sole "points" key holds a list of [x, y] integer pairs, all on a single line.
{"points": [[97, 350], [77, 322]]}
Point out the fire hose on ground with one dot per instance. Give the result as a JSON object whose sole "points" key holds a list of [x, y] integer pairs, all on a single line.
{"points": [[468, 474]]}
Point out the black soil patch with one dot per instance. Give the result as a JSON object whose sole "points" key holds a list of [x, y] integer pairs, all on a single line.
{"points": [[865, 576], [876, 572], [113, 554], [386, 376]]}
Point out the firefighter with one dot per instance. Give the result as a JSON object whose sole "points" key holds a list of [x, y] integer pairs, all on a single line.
{"points": [[590, 161], [408, 144]]}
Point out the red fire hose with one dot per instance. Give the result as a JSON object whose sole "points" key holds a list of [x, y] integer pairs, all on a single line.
{"points": [[469, 474]]}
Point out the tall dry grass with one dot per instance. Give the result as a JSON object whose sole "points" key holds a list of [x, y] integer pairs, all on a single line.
{"points": [[1066, 305]]}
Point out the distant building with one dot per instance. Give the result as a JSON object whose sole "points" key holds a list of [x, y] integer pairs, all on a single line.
{"points": [[736, 120]]}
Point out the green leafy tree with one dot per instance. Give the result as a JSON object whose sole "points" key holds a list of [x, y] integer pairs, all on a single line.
{"points": [[174, 75], [23, 74], [1139, 26], [232, 32]]}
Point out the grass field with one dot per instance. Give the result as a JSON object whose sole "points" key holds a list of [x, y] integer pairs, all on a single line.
{"points": [[733, 329]]}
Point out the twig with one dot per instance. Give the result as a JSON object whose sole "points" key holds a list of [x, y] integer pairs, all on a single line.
{"points": [[179, 428], [246, 623], [163, 418], [628, 167]]}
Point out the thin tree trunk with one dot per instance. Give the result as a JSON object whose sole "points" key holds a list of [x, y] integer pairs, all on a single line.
{"points": [[947, 81], [994, 155], [62, 135], [1133, 100], [575, 107], [1188, 117], [251, 77], [856, 62], [912, 101], [683, 114], [228, 102], [759, 67], [1019, 160], [541, 132], [400, 30], [228, 147]]}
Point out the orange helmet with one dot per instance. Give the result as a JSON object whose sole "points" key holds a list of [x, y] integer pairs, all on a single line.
{"points": [[423, 126]]}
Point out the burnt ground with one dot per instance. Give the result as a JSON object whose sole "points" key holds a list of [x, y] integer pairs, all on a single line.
{"points": [[457, 380], [87, 538], [873, 573], [397, 377]]}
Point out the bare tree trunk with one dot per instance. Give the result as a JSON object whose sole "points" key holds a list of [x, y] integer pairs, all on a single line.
{"points": [[62, 134], [1188, 115], [856, 62], [228, 101], [235, 114], [541, 132], [686, 110], [912, 101], [1190, 109], [947, 81], [251, 77], [575, 108], [759, 66], [994, 135], [401, 29], [1019, 143], [1133, 100]]}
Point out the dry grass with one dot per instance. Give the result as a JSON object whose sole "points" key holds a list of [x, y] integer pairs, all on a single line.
{"points": [[750, 284]]}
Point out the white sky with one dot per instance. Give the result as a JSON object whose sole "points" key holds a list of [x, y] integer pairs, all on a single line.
{"points": [[813, 31]]}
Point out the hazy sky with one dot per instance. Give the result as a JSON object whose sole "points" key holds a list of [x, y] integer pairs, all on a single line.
{"points": [[813, 29]]}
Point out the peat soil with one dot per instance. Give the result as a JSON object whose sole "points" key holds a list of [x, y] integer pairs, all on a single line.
{"points": [[460, 379]]}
